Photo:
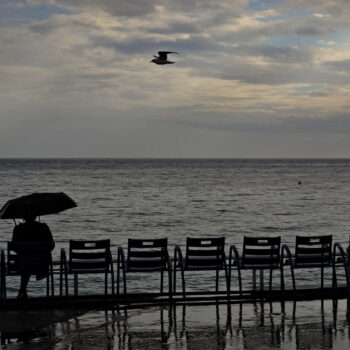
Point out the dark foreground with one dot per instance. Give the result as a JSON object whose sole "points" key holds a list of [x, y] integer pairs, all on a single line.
{"points": [[256, 325]]}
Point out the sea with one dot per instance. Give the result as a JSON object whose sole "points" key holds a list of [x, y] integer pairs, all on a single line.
{"points": [[179, 198]]}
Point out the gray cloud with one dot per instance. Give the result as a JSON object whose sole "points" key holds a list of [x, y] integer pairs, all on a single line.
{"points": [[341, 66], [335, 124], [84, 74]]}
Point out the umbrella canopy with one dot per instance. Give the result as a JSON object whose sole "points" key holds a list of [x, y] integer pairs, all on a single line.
{"points": [[36, 204]]}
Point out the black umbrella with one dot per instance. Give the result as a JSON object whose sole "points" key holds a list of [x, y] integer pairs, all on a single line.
{"points": [[36, 204]]}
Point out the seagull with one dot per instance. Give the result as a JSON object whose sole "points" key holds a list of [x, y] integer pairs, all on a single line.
{"points": [[162, 58]]}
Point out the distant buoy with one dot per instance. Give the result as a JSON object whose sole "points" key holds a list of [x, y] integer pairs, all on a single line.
{"points": [[299, 182]]}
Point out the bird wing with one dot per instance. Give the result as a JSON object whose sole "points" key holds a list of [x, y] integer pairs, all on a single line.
{"points": [[163, 54]]}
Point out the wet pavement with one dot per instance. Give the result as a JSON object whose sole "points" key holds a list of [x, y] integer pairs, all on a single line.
{"points": [[300, 325]]}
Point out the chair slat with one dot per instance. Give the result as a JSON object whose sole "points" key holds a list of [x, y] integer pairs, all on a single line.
{"points": [[267, 252], [204, 252], [205, 242], [146, 254], [204, 262], [313, 240], [261, 241], [88, 255], [88, 265], [148, 243], [89, 245], [312, 259], [313, 250]]}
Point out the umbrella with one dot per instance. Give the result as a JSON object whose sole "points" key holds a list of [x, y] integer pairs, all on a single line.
{"points": [[36, 204]]}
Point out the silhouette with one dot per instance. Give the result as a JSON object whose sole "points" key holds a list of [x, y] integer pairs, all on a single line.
{"points": [[163, 57], [32, 232]]}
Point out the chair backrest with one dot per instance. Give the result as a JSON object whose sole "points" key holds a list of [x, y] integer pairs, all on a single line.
{"points": [[89, 255], [33, 257], [313, 250], [205, 253], [147, 254], [261, 252]]}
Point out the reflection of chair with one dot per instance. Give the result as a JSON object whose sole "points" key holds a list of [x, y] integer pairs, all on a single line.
{"points": [[201, 254], [310, 252], [145, 255], [322, 335], [87, 257], [29, 258], [259, 253], [129, 335]]}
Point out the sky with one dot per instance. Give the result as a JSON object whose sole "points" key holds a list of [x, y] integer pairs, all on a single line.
{"points": [[253, 79]]}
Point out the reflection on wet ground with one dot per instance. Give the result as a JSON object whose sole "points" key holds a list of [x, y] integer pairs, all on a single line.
{"points": [[301, 325]]}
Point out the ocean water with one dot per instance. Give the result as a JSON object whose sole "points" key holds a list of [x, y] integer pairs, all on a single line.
{"points": [[154, 198]]}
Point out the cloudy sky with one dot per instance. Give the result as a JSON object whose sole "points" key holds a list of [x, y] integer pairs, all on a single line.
{"points": [[258, 78]]}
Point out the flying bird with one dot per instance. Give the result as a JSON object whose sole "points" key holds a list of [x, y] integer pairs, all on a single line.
{"points": [[163, 57]]}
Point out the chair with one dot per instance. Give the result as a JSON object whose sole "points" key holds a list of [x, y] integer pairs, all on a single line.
{"points": [[145, 255], [259, 253], [310, 252], [31, 260], [341, 261], [86, 257], [201, 254]]}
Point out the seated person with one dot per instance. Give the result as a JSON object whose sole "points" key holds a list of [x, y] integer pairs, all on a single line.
{"points": [[32, 261]]}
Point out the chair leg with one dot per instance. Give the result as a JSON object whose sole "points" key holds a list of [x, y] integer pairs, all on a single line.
{"points": [[106, 283], [75, 284], [4, 292], [183, 282], [118, 277], [170, 283], [217, 281], [334, 279], [124, 279], [227, 282], [66, 282], [174, 279], [282, 278], [52, 283], [293, 279], [239, 281], [61, 281], [112, 281], [161, 281]]}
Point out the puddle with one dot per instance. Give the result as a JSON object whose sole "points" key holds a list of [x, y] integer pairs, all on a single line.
{"points": [[301, 325]]}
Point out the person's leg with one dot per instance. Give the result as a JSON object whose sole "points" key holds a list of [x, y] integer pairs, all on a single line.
{"points": [[22, 293]]}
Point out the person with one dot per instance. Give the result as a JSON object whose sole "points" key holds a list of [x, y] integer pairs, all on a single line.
{"points": [[29, 259]]}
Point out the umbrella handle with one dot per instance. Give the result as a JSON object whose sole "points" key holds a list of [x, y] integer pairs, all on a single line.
{"points": [[15, 222]]}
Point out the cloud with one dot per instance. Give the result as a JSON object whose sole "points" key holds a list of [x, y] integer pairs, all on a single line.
{"points": [[340, 66], [241, 69]]}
